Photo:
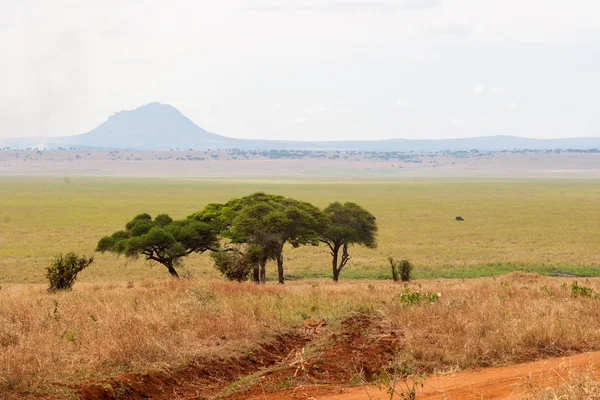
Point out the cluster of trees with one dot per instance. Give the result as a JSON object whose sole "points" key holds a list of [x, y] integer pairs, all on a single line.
{"points": [[244, 234]]}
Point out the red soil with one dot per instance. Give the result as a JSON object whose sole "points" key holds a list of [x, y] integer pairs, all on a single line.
{"points": [[290, 368], [197, 380], [491, 383]]}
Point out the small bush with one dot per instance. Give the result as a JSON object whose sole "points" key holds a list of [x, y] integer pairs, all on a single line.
{"points": [[405, 270], [233, 265], [64, 269], [401, 270]]}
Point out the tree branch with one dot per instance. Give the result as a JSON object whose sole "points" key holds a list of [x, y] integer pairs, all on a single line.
{"points": [[345, 257], [157, 259]]}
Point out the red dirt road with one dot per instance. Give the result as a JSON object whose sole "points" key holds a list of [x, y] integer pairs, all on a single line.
{"points": [[508, 382]]}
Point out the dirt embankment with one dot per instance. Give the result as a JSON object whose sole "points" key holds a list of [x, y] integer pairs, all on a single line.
{"points": [[362, 349], [359, 351], [198, 380], [341, 365]]}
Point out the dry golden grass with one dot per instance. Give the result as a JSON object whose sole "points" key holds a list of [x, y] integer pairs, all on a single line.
{"points": [[497, 322], [578, 385], [102, 329]]}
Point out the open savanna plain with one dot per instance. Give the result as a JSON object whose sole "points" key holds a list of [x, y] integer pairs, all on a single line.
{"points": [[128, 331]]}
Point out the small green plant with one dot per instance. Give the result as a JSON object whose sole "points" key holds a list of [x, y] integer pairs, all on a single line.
{"points": [[389, 380], [72, 335], [410, 393], [64, 269], [582, 291], [409, 297], [547, 291]]}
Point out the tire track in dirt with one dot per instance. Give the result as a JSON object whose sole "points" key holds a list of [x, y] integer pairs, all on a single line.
{"points": [[509, 382]]}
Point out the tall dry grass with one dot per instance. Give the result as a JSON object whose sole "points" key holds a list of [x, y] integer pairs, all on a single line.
{"points": [[103, 329], [495, 322], [577, 385]]}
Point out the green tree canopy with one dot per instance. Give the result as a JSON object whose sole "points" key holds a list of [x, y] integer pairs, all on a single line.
{"points": [[163, 239], [347, 224], [266, 222]]}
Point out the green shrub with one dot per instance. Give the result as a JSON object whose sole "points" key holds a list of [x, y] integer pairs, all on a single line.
{"points": [[233, 265], [405, 270], [64, 269], [401, 270]]}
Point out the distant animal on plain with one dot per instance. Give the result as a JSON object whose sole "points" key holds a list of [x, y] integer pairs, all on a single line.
{"points": [[313, 324], [459, 218]]}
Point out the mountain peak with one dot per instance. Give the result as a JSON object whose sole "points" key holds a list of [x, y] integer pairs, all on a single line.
{"points": [[156, 105], [149, 108], [150, 126]]}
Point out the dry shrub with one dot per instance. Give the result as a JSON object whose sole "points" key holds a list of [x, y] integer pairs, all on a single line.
{"points": [[103, 329]]}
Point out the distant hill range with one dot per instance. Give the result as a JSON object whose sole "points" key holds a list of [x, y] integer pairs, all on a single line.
{"points": [[157, 126]]}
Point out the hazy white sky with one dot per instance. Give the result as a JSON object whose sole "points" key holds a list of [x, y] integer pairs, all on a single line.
{"points": [[305, 69]]}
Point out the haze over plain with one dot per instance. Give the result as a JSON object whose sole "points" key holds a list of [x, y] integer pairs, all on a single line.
{"points": [[306, 70]]}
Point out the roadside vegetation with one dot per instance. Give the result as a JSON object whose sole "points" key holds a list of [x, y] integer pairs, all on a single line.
{"points": [[104, 329]]}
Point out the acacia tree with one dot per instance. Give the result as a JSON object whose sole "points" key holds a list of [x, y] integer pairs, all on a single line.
{"points": [[162, 240], [245, 254], [347, 224], [265, 223], [282, 220]]}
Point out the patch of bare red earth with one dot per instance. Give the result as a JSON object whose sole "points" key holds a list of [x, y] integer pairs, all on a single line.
{"points": [[359, 347], [509, 382], [363, 347], [197, 380]]}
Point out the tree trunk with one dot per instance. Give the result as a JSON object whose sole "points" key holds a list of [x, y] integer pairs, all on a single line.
{"points": [[172, 271], [336, 272], [280, 267], [263, 272], [335, 249], [256, 274]]}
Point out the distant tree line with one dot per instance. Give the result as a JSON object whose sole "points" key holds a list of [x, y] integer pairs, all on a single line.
{"points": [[244, 234]]}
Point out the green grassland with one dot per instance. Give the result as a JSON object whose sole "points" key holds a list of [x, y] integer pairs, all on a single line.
{"points": [[532, 225]]}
